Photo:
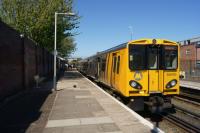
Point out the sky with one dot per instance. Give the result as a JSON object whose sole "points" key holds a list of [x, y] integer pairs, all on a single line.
{"points": [[108, 23]]}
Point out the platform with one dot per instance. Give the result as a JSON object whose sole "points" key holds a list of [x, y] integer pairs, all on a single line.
{"points": [[82, 107], [190, 84]]}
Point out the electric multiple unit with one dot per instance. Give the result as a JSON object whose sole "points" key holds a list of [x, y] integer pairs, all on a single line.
{"points": [[143, 71]]}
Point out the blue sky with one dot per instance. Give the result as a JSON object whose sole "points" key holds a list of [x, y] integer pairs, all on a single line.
{"points": [[105, 23]]}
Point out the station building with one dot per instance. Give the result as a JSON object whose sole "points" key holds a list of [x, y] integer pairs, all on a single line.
{"points": [[190, 57]]}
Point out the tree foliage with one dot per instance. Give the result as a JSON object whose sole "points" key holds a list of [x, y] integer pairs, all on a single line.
{"points": [[35, 19]]}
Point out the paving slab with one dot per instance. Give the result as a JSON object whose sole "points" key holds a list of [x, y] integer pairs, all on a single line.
{"points": [[82, 107]]}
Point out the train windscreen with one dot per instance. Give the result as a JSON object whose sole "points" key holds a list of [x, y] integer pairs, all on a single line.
{"points": [[137, 57], [170, 57], [153, 57]]}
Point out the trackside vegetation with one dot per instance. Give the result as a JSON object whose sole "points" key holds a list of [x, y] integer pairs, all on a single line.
{"points": [[35, 19]]}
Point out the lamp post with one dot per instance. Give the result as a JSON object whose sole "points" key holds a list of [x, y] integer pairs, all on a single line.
{"points": [[55, 51], [131, 31]]}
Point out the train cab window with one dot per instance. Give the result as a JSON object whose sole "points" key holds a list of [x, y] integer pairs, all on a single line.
{"points": [[170, 57], [137, 54], [118, 64]]}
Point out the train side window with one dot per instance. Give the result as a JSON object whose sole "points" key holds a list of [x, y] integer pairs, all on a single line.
{"points": [[118, 64], [90, 65], [103, 65], [114, 63]]}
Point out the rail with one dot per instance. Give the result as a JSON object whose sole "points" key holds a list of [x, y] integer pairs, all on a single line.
{"points": [[181, 123]]}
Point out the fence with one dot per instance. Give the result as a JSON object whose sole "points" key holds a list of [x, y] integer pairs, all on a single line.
{"points": [[20, 60], [191, 69]]}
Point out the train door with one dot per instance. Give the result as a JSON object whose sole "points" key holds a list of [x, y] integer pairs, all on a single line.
{"points": [[97, 73], [113, 70], [117, 72], [153, 66]]}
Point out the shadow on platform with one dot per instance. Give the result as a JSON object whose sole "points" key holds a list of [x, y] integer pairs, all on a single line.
{"points": [[72, 75], [28, 112]]}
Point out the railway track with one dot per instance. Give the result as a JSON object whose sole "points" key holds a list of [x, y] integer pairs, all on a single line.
{"points": [[177, 121], [191, 97], [187, 100], [192, 114], [181, 123], [197, 97], [190, 94]]}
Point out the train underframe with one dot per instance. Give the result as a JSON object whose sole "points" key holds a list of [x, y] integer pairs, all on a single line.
{"points": [[155, 103]]}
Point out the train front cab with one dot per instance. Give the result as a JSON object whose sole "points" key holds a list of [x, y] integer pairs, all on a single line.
{"points": [[153, 73]]}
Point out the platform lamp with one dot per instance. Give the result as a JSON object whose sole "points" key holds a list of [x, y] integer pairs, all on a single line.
{"points": [[55, 51]]}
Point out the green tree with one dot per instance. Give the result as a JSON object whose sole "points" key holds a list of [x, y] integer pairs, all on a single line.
{"points": [[35, 19], [67, 47]]}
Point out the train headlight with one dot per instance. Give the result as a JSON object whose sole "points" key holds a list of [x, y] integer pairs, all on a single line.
{"points": [[171, 83], [135, 84]]}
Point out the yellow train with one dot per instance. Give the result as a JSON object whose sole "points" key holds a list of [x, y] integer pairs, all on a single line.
{"points": [[145, 71]]}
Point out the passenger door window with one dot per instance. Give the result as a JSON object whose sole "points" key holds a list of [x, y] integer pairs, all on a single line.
{"points": [[114, 64], [153, 57], [118, 64]]}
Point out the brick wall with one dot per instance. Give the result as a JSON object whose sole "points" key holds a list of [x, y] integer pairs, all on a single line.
{"points": [[198, 53], [20, 61], [29, 62], [11, 64], [191, 54]]}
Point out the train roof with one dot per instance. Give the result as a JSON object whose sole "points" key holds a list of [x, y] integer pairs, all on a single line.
{"points": [[151, 41], [123, 45], [139, 41]]}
